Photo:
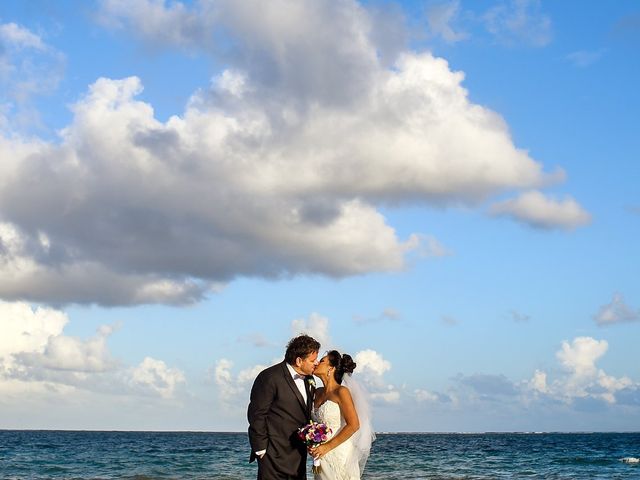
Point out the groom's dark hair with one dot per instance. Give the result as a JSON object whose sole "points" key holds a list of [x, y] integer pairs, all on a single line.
{"points": [[300, 346]]}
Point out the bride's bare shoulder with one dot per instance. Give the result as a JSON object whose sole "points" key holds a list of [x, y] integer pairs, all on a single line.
{"points": [[344, 390], [344, 393]]}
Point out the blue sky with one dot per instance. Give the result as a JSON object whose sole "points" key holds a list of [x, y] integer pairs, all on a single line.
{"points": [[445, 190]]}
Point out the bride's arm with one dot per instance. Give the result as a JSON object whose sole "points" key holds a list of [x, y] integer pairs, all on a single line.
{"points": [[352, 424]]}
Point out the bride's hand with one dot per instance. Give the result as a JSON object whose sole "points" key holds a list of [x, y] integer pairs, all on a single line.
{"points": [[319, 451]]}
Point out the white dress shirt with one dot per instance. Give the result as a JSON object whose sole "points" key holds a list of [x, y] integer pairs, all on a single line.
{"points": [[299, 381]]}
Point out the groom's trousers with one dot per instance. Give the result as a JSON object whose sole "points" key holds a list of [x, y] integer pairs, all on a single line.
{"points": [[267, 470]]}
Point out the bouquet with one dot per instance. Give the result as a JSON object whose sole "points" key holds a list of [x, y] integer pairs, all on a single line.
{"points": [[313, 434]]}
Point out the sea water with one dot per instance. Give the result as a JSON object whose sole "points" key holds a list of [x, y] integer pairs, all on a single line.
{"points": [[178, 455]]}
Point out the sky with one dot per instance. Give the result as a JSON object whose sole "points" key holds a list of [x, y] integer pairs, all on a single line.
{"points": [[445, 190]]}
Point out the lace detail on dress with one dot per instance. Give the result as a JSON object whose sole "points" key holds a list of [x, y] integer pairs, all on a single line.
{"points": [[340, 463]]}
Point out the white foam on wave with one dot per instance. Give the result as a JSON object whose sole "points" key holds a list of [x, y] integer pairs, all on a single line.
{"points": [[630, 460]]}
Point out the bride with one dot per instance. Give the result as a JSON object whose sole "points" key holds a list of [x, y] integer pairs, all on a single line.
{"points": [[342, 405]]}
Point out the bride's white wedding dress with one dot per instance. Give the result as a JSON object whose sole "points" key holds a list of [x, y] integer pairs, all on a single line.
{"points": [[341, 463]]}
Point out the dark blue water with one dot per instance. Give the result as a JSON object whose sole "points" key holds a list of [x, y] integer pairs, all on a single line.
{"points": [[146, 456]]}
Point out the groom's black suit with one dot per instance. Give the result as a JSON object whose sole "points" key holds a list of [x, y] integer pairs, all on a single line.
{"points": [[276, 411]]}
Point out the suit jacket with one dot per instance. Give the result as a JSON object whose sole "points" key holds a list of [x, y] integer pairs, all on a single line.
{"points": [[276, 411]]}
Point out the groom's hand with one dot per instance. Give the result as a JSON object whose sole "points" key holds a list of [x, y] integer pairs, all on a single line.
{"points": [[260, 453]]}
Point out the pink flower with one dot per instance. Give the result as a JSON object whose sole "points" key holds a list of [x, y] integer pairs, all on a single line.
{"points": [[314, 433]]}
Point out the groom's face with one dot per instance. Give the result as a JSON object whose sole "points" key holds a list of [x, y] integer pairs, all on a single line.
{"points": [[307, 364]]}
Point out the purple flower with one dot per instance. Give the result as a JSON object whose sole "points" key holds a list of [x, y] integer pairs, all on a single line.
{"points": [[314, 433]]}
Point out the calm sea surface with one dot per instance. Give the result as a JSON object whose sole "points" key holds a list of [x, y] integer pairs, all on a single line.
{"points": [[146, 456]]}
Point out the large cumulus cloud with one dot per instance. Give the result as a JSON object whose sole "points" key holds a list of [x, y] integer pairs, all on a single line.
{"points": [[278, 168]]}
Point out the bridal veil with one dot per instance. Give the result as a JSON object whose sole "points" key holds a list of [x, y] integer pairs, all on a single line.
{"points": [[365, 435]]}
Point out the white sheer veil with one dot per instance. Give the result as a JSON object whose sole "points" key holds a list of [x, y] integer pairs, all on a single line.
{"points": [[365, 435]]}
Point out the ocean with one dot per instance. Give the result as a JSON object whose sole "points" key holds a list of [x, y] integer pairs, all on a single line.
{"points": [[224, 456]]}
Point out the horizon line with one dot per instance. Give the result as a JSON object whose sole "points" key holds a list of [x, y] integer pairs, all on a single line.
{"points": [[399, 432]]}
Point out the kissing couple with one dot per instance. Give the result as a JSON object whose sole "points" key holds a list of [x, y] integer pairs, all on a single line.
{"points": [[284, 398]]}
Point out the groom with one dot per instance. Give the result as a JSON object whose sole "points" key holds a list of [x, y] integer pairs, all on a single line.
{"points": [[281, 400]]}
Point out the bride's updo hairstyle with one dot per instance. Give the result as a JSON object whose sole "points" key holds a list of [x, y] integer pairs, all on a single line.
{"points": [[342, 363]]}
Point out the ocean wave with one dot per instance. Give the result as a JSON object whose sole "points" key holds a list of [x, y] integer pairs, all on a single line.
{"points": [[630, 460]]}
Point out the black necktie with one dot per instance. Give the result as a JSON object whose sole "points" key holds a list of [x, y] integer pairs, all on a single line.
{"points": [[307, 387]]}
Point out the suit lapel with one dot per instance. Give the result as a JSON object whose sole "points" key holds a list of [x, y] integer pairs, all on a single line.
{"points": [[294, 387]]}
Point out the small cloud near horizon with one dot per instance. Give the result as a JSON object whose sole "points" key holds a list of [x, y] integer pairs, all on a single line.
{"points": [[488, 384]]}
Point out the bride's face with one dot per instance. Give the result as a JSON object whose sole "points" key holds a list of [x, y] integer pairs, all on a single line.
{"points": [[322, 366]]}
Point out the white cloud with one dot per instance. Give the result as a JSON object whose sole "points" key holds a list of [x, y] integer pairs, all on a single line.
{"points": [[279, 169], [616, 312], [519, 22], [224, 379], [390, 396], [27, 330], [581, 355], [372, 363], [162, 23], [316, 326], [154, 375], [585, 58], [539, 211], [28, 68], [309, 46], [234, 391], [17, 36], [73, 354], [371, 367], [579, 380], [539, 382], [584, 379], [234, 83], [422, 395], [36, 357], [428, 246], [440, 17]]}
